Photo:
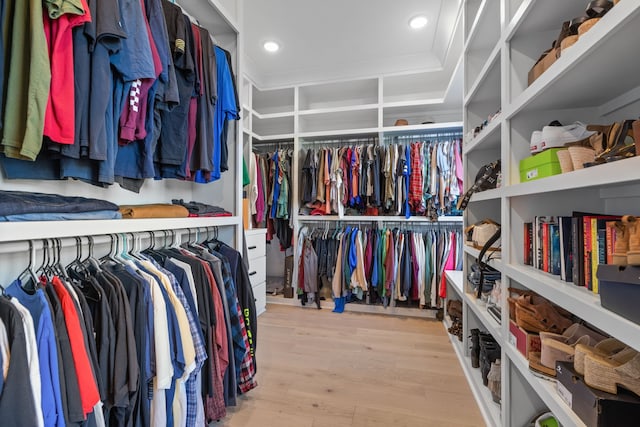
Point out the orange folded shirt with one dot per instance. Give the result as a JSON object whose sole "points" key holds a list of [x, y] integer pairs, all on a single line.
{"points": [[153, 211]]}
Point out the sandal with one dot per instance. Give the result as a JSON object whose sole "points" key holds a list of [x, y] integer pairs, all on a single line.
{"points": [[605, 348], [536, 314], [607, 373]]}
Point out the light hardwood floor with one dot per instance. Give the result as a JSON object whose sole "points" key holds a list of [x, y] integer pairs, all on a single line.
{"points": [[321, 369]]}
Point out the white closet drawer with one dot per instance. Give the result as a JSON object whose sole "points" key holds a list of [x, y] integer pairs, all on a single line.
{"points": [[258, 271], [256, 245], [260, 295]]}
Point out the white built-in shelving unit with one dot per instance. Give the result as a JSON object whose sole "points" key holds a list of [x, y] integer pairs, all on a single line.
{"points": [[503, 40]]}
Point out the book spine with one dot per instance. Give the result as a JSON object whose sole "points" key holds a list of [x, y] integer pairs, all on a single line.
{"points": [[545, 247], [563, 252], [594, 254], [576, 245], [586, 245], [554, 231], [602, 258], [528, 244], [610, 230]]}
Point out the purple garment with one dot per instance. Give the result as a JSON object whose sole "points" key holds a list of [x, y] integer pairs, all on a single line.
{"points": [[260, 202]]}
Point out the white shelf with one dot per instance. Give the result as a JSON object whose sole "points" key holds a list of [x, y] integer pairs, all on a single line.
{"points": [[493, 262], [493, 194], [565, 83], [273, 115], [33, 230], [273, 138], [546, 389], [578, 300], [422, 128], [344, 109], [481, 24], [488, 138], [622, 171], [480, 310], [493, 62], [456, 280], [381, 218], [489, 409], [371, 131], [533, 16]]}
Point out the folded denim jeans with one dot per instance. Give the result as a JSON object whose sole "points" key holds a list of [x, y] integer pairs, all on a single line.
{"points": [[62, 216], [22, 202]]}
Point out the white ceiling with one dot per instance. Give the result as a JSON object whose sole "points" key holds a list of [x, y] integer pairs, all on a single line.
{"points": [[342, 39]]}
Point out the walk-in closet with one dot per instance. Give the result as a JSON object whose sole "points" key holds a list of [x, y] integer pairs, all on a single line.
{"points": [[272, 213]]}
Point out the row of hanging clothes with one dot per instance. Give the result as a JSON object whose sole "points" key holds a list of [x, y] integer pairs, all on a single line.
{"points": [[160, 336], [398, 265], [407, 175], [270, 190]]}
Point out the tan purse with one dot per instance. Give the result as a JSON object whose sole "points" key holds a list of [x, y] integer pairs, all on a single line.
{"points": [[478, 234]]}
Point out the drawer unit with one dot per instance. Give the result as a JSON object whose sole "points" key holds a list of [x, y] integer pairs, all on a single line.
{"points": [[258, 271], [260, 295], [256, 243]]}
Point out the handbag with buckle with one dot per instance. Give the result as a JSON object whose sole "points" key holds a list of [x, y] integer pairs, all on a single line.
{"points": [[486, 179], [482, 276]]}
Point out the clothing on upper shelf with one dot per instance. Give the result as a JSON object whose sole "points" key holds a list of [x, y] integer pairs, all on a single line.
{"points": [[270, 194], [201, 209], [417, 178], [383, 264], [120, 91], [159, 337], [23, 202], [157, 210]]}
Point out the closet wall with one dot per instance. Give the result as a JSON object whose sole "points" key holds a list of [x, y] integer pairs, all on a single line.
{"points": [[305, 115]]}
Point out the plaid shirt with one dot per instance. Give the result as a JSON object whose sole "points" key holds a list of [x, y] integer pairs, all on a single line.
{"points": [[191, 386], [241, 354], [415, 181]]}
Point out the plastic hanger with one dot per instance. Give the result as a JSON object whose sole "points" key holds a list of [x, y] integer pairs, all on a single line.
{"points": [[28, 275]]}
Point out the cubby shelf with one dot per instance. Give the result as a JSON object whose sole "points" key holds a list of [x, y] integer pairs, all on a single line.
{"points": [[571, 89]]}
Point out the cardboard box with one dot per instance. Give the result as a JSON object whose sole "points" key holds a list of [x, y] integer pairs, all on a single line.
{"points": [[523, 340], [596, 408], [542, 65], [541, 165], [619, 289]]}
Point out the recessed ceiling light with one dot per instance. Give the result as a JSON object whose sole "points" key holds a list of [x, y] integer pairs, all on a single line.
{"points": [[271, 46], [418, 22]]}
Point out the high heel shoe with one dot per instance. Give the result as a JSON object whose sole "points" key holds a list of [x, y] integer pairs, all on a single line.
{"points": [[604, 348], [607, 373]]}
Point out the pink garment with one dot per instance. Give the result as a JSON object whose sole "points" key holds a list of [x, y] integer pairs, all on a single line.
{"points": [[449, 265], [260, 202]]}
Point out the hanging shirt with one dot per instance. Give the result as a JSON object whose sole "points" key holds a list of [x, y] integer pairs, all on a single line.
{"points": [[52, 411], [16, 408]]}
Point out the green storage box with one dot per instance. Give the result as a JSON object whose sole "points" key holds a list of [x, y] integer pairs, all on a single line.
{"points": [[540, 165]]}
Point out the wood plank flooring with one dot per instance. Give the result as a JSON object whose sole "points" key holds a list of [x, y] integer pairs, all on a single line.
{"points": [[322, 369]]}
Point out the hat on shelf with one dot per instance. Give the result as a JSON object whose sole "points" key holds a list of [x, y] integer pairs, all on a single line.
{"points": [[401, 122]]}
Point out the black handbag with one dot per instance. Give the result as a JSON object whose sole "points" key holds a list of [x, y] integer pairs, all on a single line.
{"points": [[481, 275], [486, 179]]}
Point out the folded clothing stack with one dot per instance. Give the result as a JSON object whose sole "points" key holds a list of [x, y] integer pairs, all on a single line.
{"points": [[197, 209], [154, 210], [28, 206]]}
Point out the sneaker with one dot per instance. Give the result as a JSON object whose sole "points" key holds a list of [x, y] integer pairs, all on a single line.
{"points": [[558, 136], [535, 145]]}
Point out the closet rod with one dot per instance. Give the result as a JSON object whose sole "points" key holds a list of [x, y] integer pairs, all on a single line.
{"points": [[363, 140], [102, 239]]}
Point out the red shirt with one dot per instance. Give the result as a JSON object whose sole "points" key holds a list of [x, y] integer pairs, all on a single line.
{"points": [[86, 382], [59, 118]]}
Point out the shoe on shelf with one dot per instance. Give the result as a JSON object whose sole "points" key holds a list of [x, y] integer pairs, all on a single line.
{"points": [[493, 378], [633, 229], [621, 247], [546, 419], [558, 136], [536, 314], [609, 373], [605, 348], [572, 334], [535, 144]]}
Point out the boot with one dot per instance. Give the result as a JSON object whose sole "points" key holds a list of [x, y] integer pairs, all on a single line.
{"points": [[494, 381], [475, 348]]}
